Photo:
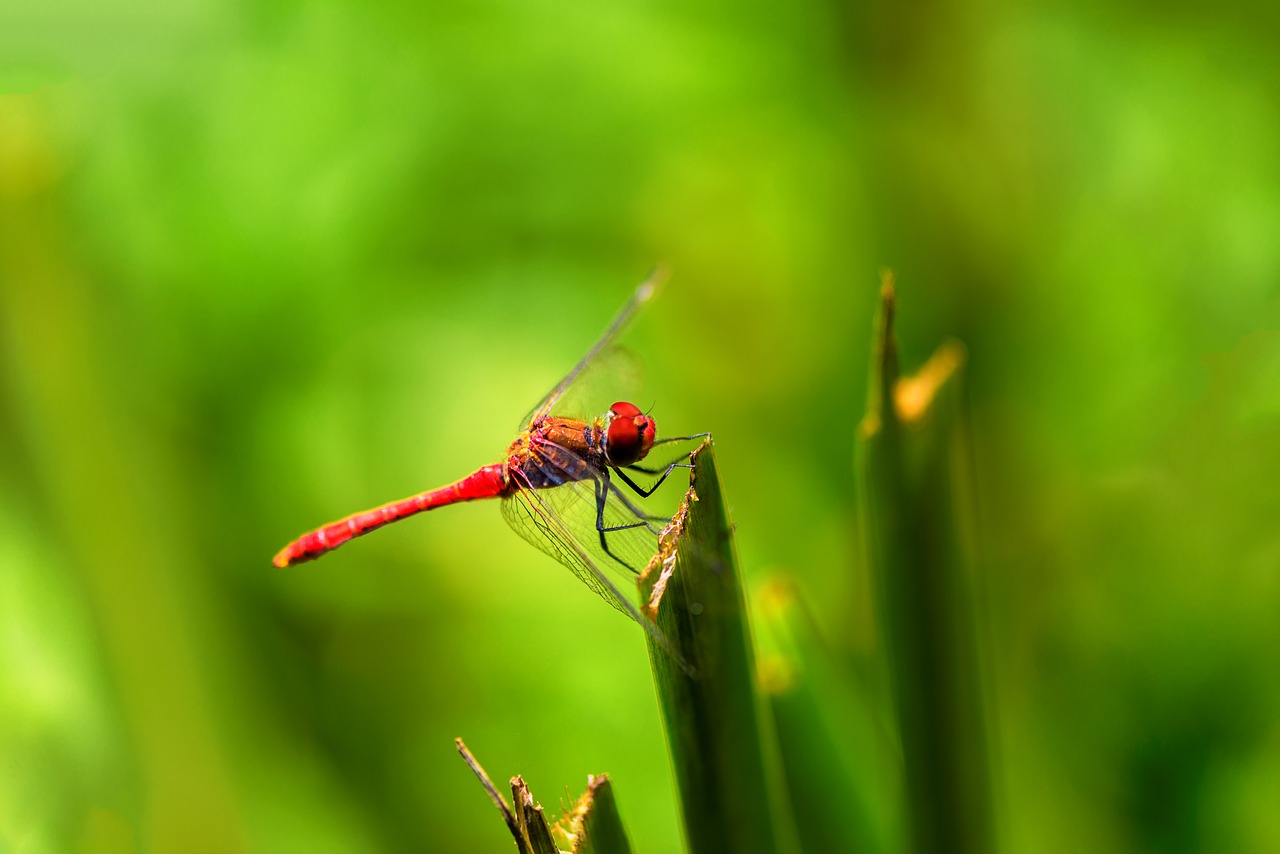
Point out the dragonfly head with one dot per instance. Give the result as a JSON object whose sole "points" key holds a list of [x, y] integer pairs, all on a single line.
{"points": [[628, 434]]}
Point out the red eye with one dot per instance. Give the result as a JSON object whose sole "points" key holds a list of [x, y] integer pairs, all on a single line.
{"points": [[624, 436], [629, 436]]}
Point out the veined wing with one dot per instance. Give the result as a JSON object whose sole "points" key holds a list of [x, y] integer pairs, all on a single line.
{"points": [[642, 295], [614, 373], [536, 515], [525, 513], [630, 538]]}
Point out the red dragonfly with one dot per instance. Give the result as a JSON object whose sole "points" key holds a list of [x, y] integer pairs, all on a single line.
{"points": [[558, 489]]}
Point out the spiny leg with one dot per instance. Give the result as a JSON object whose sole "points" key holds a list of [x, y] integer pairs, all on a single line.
{"points": [[641, 491], [671, 439], [661, 471], [632, 509], [602, 493]]}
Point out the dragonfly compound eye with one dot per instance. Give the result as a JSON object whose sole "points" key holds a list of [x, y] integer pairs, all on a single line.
{"points": [[622, 409], [629, 435]]}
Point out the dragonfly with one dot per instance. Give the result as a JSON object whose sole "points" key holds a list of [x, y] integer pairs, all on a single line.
{"points": [[559, 486]]}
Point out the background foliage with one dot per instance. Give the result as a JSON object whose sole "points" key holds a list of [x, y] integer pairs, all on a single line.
{"points": [[263, 264]]}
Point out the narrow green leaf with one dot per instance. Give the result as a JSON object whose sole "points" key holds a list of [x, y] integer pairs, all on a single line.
{"points": [[840, 766], [727, 773], [913, 460], [595, 826]]}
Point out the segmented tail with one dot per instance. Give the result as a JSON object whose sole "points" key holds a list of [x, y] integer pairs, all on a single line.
{"points": [[488, 482]]}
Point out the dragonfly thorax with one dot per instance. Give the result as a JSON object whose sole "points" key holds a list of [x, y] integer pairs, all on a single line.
{"points": [[628, 434]]}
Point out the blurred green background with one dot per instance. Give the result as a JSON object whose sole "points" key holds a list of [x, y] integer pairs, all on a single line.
{"points": [[265, 264]]}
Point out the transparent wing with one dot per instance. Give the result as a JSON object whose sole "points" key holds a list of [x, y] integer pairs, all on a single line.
{"points": [[615, 373], [524, 513], [589, 500], [642, 295], [561, 521]]}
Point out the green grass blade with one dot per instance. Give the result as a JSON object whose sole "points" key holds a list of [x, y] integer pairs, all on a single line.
{"points": [[595, 826], [914, 457], [730, 785], [840, 767]]}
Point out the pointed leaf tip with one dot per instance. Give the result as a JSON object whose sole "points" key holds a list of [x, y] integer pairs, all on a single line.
{"points": [[887, 290]]}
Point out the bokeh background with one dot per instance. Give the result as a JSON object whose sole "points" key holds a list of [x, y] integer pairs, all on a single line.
{"points": [[264, 264]]}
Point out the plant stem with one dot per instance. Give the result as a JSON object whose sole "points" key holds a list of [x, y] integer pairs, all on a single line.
{"points": [[727, 773]]}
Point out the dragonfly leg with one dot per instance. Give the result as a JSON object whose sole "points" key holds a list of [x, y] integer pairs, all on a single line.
{"points": [[603, 488], [641, 491], [663, 470], [634, 511], [671, 439]]}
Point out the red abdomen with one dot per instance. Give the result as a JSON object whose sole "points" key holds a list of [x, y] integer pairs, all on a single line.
{"points": [[488, 482]]}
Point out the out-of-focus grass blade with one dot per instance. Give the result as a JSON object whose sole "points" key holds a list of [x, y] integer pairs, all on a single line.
{"points": [[731, 793], [594, 825], [840, 761], [914, 461]]}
